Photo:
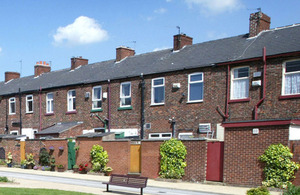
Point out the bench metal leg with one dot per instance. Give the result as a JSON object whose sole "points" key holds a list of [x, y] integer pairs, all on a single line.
{"points": [[107, 187], [141, 191]]}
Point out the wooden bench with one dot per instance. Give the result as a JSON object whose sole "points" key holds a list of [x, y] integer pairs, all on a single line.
{"points": [[127, 181]]}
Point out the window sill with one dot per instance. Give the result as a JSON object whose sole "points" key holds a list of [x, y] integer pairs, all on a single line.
{"points": [[71, 112], [29, 113], [161, 104], [125, 108], [285, 97], [194, 102], [48, 114], [97, 110], [239, 100]]}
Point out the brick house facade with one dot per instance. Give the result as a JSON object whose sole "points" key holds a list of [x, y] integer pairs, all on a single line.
{"points": [[237, 86]]}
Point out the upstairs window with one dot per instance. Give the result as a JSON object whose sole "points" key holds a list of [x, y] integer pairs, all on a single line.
{"points": [[97, 97], [72, 100], [195, 88], [125, 94], [12, 105], [240, 83], [29, 104], [49, 103], [158, 91], [291, 80]]}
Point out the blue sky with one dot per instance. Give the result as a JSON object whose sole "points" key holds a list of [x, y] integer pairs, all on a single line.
{"points": [[56, 30]]}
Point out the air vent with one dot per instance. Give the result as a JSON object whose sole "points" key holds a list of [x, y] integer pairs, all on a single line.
{"points": [[87, 95], [148, 126], [204, 128]]}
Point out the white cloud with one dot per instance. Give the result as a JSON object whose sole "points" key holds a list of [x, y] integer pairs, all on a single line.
{"points": [[213, 35], [160, 11], [83, 30], [215, 6], [0, 49]]}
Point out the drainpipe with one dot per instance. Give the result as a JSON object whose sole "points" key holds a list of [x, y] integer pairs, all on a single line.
{"points": [[40, 99], [108, 122], [227, 93], [264, 85], [6, 118], [20, 100], [173, 122], [142, 105]]}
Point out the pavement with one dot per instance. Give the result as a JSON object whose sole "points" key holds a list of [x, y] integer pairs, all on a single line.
{"points": [[196, 187]]}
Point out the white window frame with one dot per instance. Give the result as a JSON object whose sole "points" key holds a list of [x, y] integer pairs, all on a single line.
{"points": [[96, 99], [236, 79], [160, 135], [183, 135], [71, 99], [28, 101], [194, 82], [125, 97], [12, 100], [153, 91], [15, 132], [49, 102], [284, 74]]}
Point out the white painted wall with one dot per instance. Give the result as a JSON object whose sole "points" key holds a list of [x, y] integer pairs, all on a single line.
{"points": [[294, 133]]}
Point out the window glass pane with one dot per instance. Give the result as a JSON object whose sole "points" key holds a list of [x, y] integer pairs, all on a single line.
{"points": [[158, 82], [292, 66], [97, 93], [159, 94], [292, 84], [197, 77], [125, 101], [13, 108], [240, 89], [241, 72], [196, 91], [50, 96], [126, 89]]}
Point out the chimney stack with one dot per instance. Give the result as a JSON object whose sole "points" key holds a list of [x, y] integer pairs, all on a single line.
{"points": [[11, 75], [41, 67], [123, 52], [181, 40], [258, 22], [78, 61]]}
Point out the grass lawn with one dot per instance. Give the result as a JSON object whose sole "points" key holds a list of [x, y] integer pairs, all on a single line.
{"points": [[27, 191]]}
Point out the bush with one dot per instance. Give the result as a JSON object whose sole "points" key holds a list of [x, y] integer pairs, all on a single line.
{"points": [[3, 179], [258, 191], [99, 158], [279, 169], [44, 158], [292, 190], [172, 162]]}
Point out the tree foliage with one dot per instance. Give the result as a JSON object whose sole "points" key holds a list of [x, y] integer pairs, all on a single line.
{"points": [[279, 168], [99, 158], [172, 162]]}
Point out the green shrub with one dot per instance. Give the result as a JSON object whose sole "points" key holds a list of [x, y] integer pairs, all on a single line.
{"points": [[258, 191], [99, 158], [172, 161], [44, 158], [279, 169], [4, 179], [292, 190]]}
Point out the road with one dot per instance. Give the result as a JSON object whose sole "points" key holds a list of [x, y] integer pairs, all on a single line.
{"points": [[97, 184]]}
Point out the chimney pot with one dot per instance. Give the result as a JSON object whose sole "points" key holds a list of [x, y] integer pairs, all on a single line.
{"points": [[41, 67], [181, 40]]}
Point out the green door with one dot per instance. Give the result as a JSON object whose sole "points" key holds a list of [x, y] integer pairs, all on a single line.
{"points": [[71, 155]]}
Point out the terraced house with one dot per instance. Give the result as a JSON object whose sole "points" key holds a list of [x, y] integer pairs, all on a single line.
{"points": [[243, 90]]}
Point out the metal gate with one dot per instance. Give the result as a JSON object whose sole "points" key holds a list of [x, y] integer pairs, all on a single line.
{"points": [[71, 155], [215, 154], [135, 158]]}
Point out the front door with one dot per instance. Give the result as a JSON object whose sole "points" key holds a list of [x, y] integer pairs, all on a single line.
{"points": [[71, 155], [215, 153]]}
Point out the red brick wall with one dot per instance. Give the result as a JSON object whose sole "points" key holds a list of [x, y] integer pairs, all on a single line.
{"points": [[150, 158], [13, 146], [242, 149], [196, 160]]}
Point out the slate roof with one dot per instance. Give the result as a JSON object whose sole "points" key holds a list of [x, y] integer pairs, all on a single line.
{"points": [[277, 41], [58, 128], [95, 134]]}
